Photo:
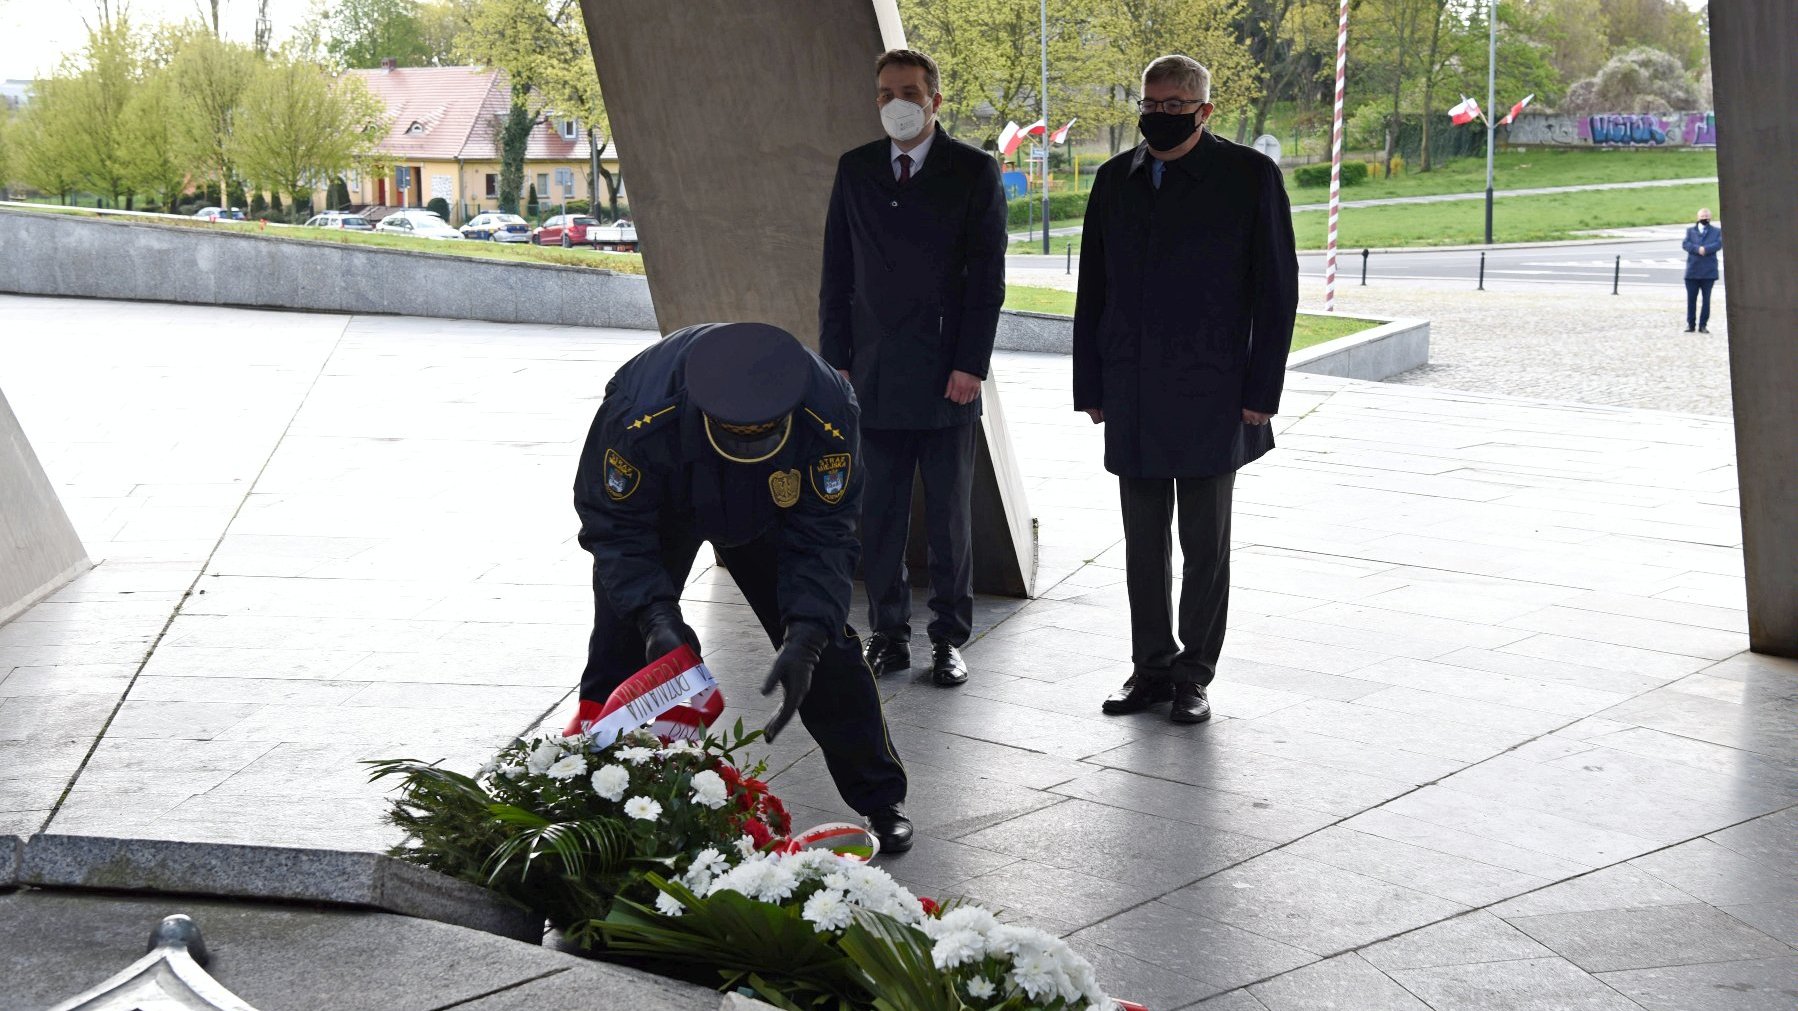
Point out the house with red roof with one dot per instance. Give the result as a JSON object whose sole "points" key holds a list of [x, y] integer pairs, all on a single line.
{"points": [[443, 141]]}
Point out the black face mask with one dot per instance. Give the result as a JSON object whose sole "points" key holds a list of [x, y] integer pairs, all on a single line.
{"points": [[1166, 130]]}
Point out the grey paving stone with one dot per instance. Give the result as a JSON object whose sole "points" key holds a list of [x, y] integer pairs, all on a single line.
{"points": [[1769, 984], [1771, 839], [933, 864], [1202, 762], [1118, 845], [1235, 1000], [1194, 945], [968, 756], [583, 984], [1068, 895], [1402, 732], [1653, 936], [1264, 818], [1346, 981], [945, 803], [1618, 887], [1539, 984], [1310, 905], [1569, 837], [1718, 875], [1456, 878], [1148, 983], [1476, 936], [1775, 919]]}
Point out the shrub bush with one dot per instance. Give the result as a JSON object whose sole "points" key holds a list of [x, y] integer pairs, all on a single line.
{"points": [[531, 208], [439, 207], [1353, 172], [258, 206], [1022, 211]]}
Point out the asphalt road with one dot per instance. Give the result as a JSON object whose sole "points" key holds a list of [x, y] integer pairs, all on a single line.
{"points": [[1655, 260]]}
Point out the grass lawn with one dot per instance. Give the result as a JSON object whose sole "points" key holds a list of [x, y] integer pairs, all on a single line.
{"points": [[623, 263], [1310, 329], [1516, 170], [1514, 219]]}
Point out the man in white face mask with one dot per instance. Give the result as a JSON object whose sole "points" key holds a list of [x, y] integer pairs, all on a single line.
{"points": [[914, 275]]}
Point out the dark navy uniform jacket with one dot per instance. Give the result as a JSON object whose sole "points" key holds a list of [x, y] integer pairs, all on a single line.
{"points": [[649, 476], [1186, 302], [913, 278], [1710, 238]]}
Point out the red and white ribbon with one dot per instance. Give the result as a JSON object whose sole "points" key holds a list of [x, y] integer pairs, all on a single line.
{"points": [[676, 692], [845, 839]]}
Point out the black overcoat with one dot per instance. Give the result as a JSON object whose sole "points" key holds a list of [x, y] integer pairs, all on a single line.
{"points": [[914, 276], [1187, 297]]}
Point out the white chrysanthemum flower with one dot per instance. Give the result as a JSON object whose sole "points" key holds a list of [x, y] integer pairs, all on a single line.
{"points": [[826, 910], [709, 789], [643, 808], [567, 767], [611, 782], [636, 756], [668, 905], [746, 846], [511, 770], [543, 756], [981, 988], [487, 769], [1034, 973], [957, 947], [972, 918]]}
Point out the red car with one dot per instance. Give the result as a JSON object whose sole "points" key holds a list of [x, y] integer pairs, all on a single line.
{"points": [[566, 230]]}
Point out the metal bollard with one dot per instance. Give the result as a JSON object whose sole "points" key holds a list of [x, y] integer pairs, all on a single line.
{"points": [[1070, 269], [1616, 275], [1364, 253], [1482, 272]]}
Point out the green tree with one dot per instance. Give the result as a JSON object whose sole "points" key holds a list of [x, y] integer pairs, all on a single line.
{"points": [[8, 153], [297, 126], [1288, 41], [362, 33], [1575, 34], [1666, 25], [209, 76], [1639, 81], [153, 162], [45, 138], [101, 80]]}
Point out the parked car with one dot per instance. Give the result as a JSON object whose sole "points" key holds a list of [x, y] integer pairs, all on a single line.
{"points": [[565, 230], [220, 214], [417, 223], [341, 221], [497, 227], [620, 236]]}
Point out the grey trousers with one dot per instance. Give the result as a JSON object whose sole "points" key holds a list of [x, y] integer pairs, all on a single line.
{"points": [[945, 459], [1202, 507]]}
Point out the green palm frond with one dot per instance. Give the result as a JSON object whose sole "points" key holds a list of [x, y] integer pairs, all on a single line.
{"points": [[582, 849], [896, 960]]}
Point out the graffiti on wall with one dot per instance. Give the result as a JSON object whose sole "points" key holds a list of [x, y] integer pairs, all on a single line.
{"points": [[1688, 129]]}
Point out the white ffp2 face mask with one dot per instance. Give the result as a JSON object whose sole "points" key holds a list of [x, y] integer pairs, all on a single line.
{"points": [[903, 120]]}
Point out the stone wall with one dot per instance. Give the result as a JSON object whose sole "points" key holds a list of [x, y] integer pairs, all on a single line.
{"points": [[1613, 129]]}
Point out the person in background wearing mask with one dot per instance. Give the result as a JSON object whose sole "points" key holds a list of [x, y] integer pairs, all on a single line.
{"points": [[914, 276], [1703, 242], [1187, 295]]}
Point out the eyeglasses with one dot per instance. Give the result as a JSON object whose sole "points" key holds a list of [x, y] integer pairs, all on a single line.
{"points": [[1173, 105]]}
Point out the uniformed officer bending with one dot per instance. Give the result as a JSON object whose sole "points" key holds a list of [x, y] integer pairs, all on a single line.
{"points": [[734, 433]]}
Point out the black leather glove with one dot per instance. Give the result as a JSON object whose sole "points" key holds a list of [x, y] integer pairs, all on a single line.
{"points": [[663, 630], [793, 672]]}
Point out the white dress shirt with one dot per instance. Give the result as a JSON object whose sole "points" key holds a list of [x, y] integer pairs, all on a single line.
{"points": [[917, 153]]}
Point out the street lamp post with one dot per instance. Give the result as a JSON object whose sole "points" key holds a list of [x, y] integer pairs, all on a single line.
{"points": [[1491, 100], [1045, 109]]}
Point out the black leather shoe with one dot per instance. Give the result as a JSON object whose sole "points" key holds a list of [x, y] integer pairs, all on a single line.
{"points": [[946, 665], [1704, 329], [1138, 693], [886, 655], [892, 827], [1691, 329], [1190, 704]]}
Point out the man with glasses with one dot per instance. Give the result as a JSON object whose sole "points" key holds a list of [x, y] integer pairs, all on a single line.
{"points": [[914, 275], [1187, 294]]}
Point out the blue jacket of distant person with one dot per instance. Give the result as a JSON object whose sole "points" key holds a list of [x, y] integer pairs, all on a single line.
{"points": [[1708, 238]]}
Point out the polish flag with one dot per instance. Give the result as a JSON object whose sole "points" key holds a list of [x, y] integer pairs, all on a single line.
{"points": [[1061, 136], [1515, 109], [1037, 128], [1010, 138], [1466, 112]]}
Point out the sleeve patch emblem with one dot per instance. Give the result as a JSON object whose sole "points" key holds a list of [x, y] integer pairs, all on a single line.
{"points": [[784, 486], [622, 476], [830, 477]]}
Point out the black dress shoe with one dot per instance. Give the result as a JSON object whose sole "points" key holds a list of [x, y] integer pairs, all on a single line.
{"points": [[1690, 329], [946, 665], [885, 654], [1704, 329], [1138, 693], [1190, 704], [892, 827]]}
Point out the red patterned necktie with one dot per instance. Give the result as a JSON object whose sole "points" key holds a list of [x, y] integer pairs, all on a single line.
{"points": [[905, 168]]}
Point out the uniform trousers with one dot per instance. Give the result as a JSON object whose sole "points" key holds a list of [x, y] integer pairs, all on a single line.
{"points": [[1202, 507], [841, 711], [945, 459]]}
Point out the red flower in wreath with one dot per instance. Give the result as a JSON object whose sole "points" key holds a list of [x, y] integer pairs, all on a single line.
{"points": [[929, 905]]}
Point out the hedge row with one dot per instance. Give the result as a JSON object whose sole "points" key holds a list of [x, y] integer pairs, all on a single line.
{"points": [[1353, 174], [1022, 211]]}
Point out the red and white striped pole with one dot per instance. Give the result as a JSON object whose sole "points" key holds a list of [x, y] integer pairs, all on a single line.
{"points": [[1336, 160]]}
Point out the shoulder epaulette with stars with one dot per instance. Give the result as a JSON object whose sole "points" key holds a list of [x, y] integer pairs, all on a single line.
{"points": [[830, 429], [649, 418]]}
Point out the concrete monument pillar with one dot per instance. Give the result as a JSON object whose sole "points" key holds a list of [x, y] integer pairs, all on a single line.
{"points": [[39, 550], [1754, 60], [731, 116]]}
